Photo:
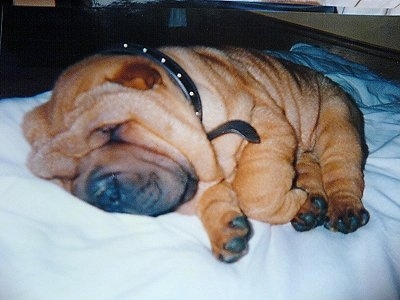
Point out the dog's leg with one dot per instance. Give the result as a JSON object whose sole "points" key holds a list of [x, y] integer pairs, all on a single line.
{"points": [[227, 227], [309, 178], [265, 173], [339, 148]]}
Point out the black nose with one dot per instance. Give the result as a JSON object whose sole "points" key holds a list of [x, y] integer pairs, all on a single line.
{"points": [[112, 193], [142, 194]]}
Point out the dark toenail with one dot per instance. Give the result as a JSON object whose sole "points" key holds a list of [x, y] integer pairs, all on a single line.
{"points": [[353, 222], [308, 218], [236, 245], [320, 203], [300, 227], [341, 226], [364, 216], [239, 222]]}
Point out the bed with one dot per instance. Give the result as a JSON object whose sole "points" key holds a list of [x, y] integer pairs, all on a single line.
{"points": [[54, 246]]}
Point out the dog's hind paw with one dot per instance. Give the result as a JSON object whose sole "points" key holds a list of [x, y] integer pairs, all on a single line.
{"points": [[348, 221], [311, 215]]}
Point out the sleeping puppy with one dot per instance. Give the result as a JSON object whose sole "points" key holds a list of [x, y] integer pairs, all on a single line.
{"points": [[270, 140]]}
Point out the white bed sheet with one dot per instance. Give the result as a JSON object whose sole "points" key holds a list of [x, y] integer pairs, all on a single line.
{"points": [[54, 246]]}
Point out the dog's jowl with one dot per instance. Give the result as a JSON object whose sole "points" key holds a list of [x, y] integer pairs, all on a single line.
{"points": [[232, 134]]}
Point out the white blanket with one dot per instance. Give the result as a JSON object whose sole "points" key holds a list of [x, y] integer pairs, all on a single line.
{"points": [[54, 246]]}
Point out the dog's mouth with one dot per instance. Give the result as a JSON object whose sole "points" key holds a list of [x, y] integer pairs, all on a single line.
{"points": [[148, 184]]}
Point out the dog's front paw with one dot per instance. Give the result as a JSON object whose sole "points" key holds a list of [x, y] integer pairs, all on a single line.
{"points": [[231, 242], [227, 226], [311, 214], [346, 219]]}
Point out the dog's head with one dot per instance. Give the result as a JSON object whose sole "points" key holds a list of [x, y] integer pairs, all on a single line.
{"points": [[134, 172], [119, 134]]}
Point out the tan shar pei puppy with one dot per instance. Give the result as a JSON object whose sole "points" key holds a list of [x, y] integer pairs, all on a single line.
{"points": [[227, 134]]}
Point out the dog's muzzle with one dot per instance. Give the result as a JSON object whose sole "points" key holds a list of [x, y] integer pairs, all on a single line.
{"points": [[144, 194], [130, 179]]}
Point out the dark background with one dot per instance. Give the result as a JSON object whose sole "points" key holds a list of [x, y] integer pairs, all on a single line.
{"points": [[38, 43]]}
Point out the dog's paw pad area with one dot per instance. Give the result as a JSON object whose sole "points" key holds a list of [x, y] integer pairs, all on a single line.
{"points": [[235, 249], [347, 222], [236, 245], [311, 215], [240, 222], [319, 204], [237, 235]]}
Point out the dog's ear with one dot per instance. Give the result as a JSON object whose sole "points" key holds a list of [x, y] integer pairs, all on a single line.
{"points": [[139, 76]]}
